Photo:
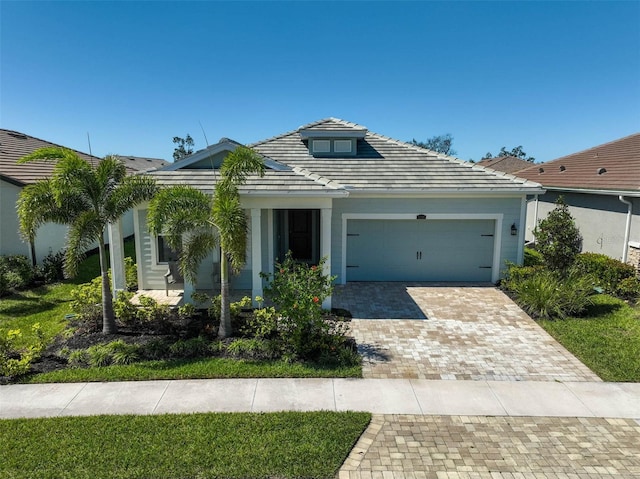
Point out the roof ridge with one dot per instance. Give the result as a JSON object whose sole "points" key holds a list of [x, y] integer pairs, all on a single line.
{"points": [[317, 178], [308, 125], [49, 142]]}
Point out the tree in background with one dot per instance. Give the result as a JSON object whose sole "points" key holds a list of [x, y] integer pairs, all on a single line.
{"points": [[517, 152], [440, 143], [86, 198], [210, 222], [558, 238], [184, 148]]}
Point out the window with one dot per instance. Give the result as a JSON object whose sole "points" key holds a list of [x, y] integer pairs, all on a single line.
{"points": [[321, 146], [342, 146], [165, 252]]}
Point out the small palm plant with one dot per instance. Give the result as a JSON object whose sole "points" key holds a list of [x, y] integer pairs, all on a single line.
{"points": [[87, 199], [211, 222]]}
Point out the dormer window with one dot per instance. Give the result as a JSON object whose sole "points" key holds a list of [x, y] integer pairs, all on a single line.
{"points": [[333, 142]]}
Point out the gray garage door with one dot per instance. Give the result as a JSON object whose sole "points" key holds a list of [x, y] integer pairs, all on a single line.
{"points": [[420, 250]]}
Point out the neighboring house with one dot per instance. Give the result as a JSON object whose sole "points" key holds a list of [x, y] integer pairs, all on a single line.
{"points": [[508, 164], [378, 209], [15, 176], [601, 185]]}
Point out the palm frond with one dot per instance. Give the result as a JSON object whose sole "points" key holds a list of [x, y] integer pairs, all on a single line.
{"points": [[240, 163], [178, 210], [49, 153], [83, 231], [195, 248], [232, 224], [131, 191], [37, 205]]}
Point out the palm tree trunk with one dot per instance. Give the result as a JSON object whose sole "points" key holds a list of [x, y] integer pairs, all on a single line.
{"points": [[224, 331], [108, 318]]}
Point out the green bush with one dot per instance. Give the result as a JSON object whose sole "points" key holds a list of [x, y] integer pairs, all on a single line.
{"points": [[532, 257], [298, 324], [253, 348], [16, 272], [52, 268], [86, 301], [548, 295], [558, 238], [191, 348], [16, 361], [608, 272], [628, 288], [130, 274]]}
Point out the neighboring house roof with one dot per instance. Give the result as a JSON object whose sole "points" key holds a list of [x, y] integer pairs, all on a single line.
{"points": [[14, 145], [508, 164], [612, 167], [140, 163]]}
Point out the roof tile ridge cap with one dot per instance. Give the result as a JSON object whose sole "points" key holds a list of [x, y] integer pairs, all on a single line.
{"points": [[504, 174], [316, 178], [288, 133], [31, 137]]}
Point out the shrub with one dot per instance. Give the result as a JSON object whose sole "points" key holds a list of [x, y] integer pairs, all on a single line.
{"points": [[608, 272], [86, 301], [52, 268], [628, 288], [130, 274], [558, 238], [300, 328], [15, 272], [532, 257], [253, 348], [548, 295], [16, 361], [191, 348]]}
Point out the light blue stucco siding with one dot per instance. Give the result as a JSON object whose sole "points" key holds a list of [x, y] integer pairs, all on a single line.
{"points": [[508, 210]]}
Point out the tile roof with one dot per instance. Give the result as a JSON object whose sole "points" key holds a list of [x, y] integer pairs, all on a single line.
{"points": [[141, 163], [613, 166], [383, 164], [508, 164], [14, 145], [294, 181]]}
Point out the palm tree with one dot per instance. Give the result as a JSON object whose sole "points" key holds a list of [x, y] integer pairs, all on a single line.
{"points": [[211, 222], [86, 198]]}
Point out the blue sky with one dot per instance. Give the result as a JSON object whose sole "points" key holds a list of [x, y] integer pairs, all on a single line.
{"points": [[554, 77]]}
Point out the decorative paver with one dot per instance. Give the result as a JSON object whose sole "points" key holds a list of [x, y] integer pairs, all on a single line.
{"points": [[474, 447], [451, 332]]}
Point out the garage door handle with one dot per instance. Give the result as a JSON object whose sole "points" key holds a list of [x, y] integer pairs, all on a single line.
{"points": [[418, 254]]}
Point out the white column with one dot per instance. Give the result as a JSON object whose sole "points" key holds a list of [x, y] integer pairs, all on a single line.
{"points": [[270, 241], [116, 253], [256, 253], [325, 246]]}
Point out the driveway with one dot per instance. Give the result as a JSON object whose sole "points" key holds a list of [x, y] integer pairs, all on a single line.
{"points": [[449, 331]]}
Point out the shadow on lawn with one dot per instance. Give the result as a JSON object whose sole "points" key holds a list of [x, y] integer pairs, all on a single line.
{"points": [[26, 305], [601, 309]]}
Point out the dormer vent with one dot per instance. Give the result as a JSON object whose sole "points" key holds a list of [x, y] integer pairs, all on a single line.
{"points": [[540, 170], [562, 167], [332, 141], [602, 171]]}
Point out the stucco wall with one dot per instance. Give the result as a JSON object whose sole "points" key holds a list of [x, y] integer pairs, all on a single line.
{"points": [[10, 241], [600, 218]]}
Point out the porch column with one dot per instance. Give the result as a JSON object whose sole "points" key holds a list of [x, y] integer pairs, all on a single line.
{"points": [[256, 254], [325, 246], [116, 253]]}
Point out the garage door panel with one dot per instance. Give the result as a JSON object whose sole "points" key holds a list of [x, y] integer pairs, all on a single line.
{"points": [[420, 250]]}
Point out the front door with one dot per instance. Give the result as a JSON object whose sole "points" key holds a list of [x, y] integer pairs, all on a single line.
{"points": [[298, 231]]}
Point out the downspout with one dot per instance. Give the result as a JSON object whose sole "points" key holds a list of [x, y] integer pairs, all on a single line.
{"points": [[627, 230]]}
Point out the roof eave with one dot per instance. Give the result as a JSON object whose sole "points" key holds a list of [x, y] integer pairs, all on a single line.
{"points": [[595, 191]]}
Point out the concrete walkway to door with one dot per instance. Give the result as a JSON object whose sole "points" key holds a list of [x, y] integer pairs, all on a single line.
{"points": [[448, 331]]}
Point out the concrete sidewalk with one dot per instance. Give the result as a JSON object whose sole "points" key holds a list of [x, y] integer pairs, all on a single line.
{"points": [[380, 396]]}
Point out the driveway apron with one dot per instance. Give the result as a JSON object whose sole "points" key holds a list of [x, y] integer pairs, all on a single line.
{"points": [[451, 331]]}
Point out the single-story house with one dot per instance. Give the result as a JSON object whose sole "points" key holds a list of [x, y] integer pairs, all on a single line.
{"points": [[15, 176], [601, 186], [378, 209]]}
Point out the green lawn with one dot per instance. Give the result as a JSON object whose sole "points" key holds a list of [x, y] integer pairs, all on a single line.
{"points": [[205, 368], [229, 445], [606, 339]]}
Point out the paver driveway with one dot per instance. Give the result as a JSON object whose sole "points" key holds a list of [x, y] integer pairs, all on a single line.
{"points": [[445, 331]]}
